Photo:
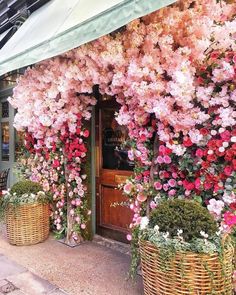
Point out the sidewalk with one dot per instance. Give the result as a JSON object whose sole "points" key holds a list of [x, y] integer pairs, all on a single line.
{"points": [[17, 280], [50, 267]]}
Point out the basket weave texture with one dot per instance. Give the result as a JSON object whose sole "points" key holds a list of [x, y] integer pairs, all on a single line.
{"points": [[27, 224], [186, 273]]}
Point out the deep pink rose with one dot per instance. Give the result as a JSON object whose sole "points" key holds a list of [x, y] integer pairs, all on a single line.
{"points": [[228, 170], [199, 153]]}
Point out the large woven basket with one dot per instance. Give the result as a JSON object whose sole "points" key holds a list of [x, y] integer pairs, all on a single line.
{"points": [[27, 224], [186, 273]]}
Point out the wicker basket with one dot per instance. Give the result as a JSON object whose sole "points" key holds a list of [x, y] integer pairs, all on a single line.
{"points": [[27, 224], [186, 273]]}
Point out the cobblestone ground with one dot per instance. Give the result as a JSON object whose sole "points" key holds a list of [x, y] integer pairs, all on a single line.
{"points": [[56, 269]]}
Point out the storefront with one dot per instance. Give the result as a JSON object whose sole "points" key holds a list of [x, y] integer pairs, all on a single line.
{"points": [[109, 162]]}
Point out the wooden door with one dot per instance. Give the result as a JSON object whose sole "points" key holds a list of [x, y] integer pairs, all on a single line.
{"points": [[113, 167]]}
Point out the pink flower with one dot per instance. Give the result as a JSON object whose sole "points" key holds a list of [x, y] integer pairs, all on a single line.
{"points": [[172, 193], [128, 187], [153, 205], [157, 185], [229, 219], [83, 226], [167, 159], [159, 160], [141, 197], [129, 237], [165, 187], [172, 182]]}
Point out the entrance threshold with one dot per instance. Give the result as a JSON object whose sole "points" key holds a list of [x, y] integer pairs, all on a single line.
{"points": [[112, 244]]}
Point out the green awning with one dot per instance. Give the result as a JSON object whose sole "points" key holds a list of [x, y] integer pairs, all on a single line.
{"points": [[62, 25]]}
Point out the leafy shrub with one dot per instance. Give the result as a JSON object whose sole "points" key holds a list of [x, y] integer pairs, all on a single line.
{"points": [[26, 187], [189, 216]]}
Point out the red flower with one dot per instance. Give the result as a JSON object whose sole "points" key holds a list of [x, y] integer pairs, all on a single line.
{"points": [[86, 133], [204, 131], [207, 185], [226, 135], [233, 206], [205, 164], [197, 183], [228, 170], [56, 163], [187, 142], [211, 158], [199, 153]]}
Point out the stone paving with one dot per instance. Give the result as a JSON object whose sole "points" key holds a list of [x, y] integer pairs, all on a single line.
{"points": [[56, 269], [17, 280]]}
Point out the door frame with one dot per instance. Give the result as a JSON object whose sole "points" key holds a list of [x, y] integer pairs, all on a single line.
{"points": [[102, 230]]}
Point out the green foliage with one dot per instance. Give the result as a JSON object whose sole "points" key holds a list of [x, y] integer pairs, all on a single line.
{"points": [[189, 216], [23, 192], [26, 187]]}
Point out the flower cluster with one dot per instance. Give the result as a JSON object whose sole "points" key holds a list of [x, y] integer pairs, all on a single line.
{"points": [[173, 73]]}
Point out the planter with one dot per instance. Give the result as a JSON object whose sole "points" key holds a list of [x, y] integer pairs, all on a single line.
{"points": [[27, 224], [186, 273]]}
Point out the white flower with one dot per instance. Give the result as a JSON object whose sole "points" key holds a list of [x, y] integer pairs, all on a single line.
{"points": [[166, 235], [229, 198], [144, 222], [179, 232], [156, 228], [203, 234], [215, 206], [233, 139]]}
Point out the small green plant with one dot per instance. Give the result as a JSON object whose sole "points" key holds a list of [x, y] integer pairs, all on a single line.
{"points": [[23, 192], [26, 187], [188, 216]]}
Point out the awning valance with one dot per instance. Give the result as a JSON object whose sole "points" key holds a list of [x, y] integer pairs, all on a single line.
{"points": [[62, 25]]}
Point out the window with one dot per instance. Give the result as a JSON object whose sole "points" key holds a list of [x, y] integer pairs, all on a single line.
{"points": [[5, 141], [5, 109]]}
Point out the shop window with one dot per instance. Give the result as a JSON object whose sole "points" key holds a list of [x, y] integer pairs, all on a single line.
{"points": [[5, 141], [19, 143], [5, 109]]}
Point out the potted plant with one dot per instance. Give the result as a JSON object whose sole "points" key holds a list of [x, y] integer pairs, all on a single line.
{"points": [[25, 208], [183, 251]]}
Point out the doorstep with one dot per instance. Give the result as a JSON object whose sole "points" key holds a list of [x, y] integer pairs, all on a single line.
{"points": [[112, 244]]}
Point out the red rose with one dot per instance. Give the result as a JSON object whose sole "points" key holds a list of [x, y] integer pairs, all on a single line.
{"points": [[205, 164], [207, 185], [228, 170], [211, 158], [204, 131], [229, 155], [56, 163], [187, 142], [78, 130], [199, 153], [146, 173], [233, 206], [226, 135]]}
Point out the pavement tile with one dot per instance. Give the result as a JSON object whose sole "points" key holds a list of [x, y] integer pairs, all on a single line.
{"points": [[3, 283], [31, 284], [57, 292], [9, 268], [17, 292]]}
